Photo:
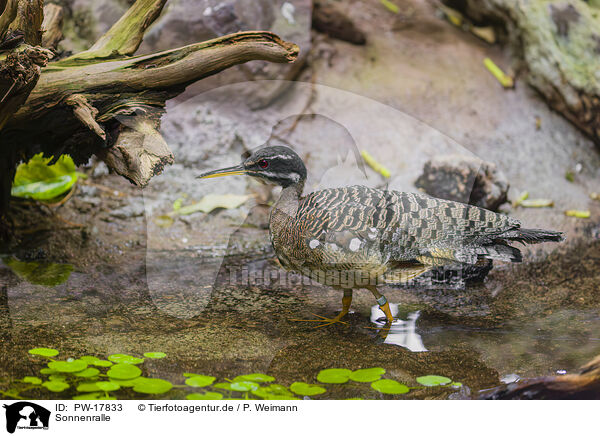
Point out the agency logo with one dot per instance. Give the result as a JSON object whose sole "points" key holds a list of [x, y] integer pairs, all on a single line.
{"points": [[26, 415]]}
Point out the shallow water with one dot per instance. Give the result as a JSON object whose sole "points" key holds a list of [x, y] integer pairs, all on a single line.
{"points": [[523, 321]]}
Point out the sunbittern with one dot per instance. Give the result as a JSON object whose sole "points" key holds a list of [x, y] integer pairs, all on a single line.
{"points": [[359, 237]]}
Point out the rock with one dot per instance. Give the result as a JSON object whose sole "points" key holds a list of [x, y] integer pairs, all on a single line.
{"points": [[186, 21], [328, 18], [135, 208], [465, 179]]}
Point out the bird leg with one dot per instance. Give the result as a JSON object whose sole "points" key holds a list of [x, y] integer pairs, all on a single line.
{"points": [[346, 302], [383, 304]]}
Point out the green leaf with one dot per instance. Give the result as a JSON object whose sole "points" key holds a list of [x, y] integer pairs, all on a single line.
{"points": [[108, 386], [32, 380], [92, 360], [55, 386], [244, 386], [90, 396], [386, 386], [40, 181], [124, 371], [206, 396], [367, 375], [46, 352], [152, 386], [102, 363], [433, 380], [125, 383], [199, 381], [47, 371], [256, 377], [306, 389], [155, 355], [456, 384], [88, 387], [40, 273], [279, 389], [226, 386], [125, 358], [57, 377], [88, 373], [334, 375], [65, 366]]}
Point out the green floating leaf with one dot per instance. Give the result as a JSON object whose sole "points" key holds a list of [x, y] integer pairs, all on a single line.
{"points": [[433, 380], [91, 396], [108, 386], [125, 358], [55, 386], [102, 363], [256, 377], [155, 355], [91, 360], [334, 375], [124, 371], [199, 381], [367, 375], [456, 384], [57, 377], [40, 181], [88, 387], [206, 396], [306, 389], [88, 373], [65, 366], [46, 352], [223, 385], [32, 380], [47, 371], [40, 273], [244, 386], [386, 386], [152, 386], [125, 383]]}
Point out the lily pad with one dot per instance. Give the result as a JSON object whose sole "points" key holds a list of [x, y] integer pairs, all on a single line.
{"points": [[88, 387], [155, 355], [223, 385], [108, 386], [55, 386], [433, 380], [125, 358], [244, 386], [367, 375], [152, 386], [88, 373], [46, 352], [40, 181], [90, 396], [306, 390], [199, 381], [334, 375], [206, 396], [66, 366], [256, 377], [124, 371], [102, 363], [386, 386], [32, 380]]}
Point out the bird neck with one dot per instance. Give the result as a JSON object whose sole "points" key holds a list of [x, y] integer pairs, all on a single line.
{"points": [[289, 200]]}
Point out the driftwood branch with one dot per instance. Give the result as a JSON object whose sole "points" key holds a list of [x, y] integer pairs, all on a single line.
{"points": [[52, 25], [7, 15], [28, 20], [560, 43], [126, 35]]}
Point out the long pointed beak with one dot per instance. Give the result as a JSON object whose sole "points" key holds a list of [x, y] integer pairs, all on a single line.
{"points": [[231, 171]]}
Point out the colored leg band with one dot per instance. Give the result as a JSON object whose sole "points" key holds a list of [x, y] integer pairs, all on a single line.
{"points": [[381, 301]]}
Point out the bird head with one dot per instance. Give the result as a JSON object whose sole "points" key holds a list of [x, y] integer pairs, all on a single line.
{"points": [[278, 165]]}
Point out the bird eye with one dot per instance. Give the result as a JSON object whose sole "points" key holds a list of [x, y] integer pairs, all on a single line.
{"points": [[263, 164]]}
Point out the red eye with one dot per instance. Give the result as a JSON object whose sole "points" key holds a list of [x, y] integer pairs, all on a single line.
{"points": [[263, 164]]}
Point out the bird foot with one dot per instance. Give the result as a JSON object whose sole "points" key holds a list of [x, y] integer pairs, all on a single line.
{"points": [[323, 320]]}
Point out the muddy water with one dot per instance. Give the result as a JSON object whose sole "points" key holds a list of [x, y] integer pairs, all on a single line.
{"points": [[231, 316]]}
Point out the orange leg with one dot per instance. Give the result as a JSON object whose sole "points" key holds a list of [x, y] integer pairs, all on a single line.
{"points": [[385, 308], [346, 302]]}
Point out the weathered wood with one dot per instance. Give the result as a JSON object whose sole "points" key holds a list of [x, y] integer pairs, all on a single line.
{"points": [[30, 15], [52, 25], [126, 35], [7, 15], [582, 386], [560, 43]]}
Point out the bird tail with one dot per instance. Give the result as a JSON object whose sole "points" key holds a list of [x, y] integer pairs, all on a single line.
{"points": [[532, 236]]}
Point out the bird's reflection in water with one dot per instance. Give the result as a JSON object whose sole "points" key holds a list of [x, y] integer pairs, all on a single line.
{"points": [[401, 333]]}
